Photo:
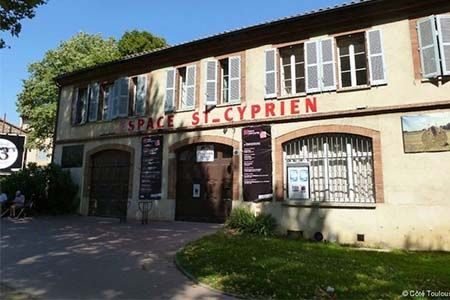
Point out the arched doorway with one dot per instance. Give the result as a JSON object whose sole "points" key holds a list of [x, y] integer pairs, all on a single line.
{"points": [[109, 184], [204, 183]]}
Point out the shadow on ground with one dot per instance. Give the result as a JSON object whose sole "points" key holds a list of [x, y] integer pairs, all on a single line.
{"points": [[87, 257]]}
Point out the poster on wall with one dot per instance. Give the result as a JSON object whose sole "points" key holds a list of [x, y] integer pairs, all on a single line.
{"points": [[11, 153], [205, 153], [298, 181], [426, 133], [257, 163], [151, 168]]}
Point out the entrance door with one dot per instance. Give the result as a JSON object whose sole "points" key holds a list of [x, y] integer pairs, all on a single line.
{"points": [[204, 189], [110, 175]]}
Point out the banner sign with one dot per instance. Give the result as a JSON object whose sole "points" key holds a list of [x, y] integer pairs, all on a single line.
{"points": [[11, 152], [151, 168], [257, 163]]}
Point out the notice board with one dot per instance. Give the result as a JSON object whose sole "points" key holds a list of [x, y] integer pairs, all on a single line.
{"points": [[257, 163], [72, 156], [151, 168]]}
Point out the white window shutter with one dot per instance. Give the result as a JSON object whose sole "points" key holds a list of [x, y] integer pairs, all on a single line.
{"points": [[169, 103], [429, 56], [328, 74], [141, 95], [93, 101], [312, 66], [211, 82], [443, 22], [123, 96], [270, 82], [74, 106], [190, 86], [234, 70], [377, 65]]}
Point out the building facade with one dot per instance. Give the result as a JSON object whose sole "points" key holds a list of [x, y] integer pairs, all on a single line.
{"points": [[336, 122]]}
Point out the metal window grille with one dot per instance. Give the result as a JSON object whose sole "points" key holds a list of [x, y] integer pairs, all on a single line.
{"points": [[341, 166]]}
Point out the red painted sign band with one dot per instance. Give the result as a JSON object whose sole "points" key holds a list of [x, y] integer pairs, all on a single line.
{"points": [[232, 113]]}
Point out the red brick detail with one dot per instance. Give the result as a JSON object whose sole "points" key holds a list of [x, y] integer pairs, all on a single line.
{"points": [[202, 139], [376, 144]]}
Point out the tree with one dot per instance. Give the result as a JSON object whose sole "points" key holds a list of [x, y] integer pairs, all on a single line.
{"points": [[12, 12], [139, 41], [37, 101]]}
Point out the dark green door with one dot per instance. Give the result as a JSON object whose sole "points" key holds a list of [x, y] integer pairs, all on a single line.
{"points": [[110, 176]]}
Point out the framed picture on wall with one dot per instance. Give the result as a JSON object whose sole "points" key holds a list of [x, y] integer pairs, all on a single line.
{"points": [[426, 133]]}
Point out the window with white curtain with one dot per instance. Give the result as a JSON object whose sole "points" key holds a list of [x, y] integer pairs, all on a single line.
{"points": [[353, 60], [292, 70], [341, 166]]}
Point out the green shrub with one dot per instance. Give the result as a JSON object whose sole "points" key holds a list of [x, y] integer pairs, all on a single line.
{"points": [[51, 188], [243, 220], [265, 224]]}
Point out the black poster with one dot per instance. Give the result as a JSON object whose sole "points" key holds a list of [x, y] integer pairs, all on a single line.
{"points": [[11, 152], [72, 156], [257, 163], [151, 168]]}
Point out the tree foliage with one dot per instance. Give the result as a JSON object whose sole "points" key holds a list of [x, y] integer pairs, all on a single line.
{"points": [[38, 98], [12, 12], [139, 41]]}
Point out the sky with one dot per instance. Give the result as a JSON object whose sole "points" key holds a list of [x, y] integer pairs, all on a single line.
{"points": [[176, 20], [419, 122]]}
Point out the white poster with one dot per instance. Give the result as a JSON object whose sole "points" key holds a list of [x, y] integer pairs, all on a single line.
{"points": [[8, 154], [205, 153], [298, 182]]}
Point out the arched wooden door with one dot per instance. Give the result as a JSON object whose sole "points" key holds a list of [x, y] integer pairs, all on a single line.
{"points": [[204, 188], [110, 177]]}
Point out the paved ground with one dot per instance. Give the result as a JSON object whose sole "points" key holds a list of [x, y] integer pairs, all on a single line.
{"points": [[94, 258]]}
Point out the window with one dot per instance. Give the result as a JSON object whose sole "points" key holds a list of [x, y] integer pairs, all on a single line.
{"points": [[352, 60], [186, 87], [223, 81], [292, 70], [42, 155], [132, 92], [110, 100], [340, 166], [138, 96], [310, 67], [79, 109], [104, 99], [434, 45], [180, 88]]}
